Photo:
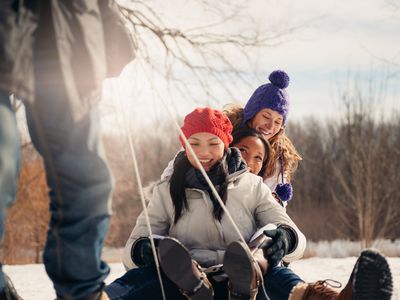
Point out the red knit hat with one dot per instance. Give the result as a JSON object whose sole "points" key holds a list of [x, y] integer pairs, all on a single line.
{"points": [[207, 120]]}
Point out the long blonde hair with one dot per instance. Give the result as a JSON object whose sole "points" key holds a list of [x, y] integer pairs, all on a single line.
{"points": [[280, 143]]}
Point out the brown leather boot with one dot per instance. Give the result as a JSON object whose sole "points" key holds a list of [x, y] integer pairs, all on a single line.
{"points": [[319, 290], [178, 266], [371, 279], [244, 273]]}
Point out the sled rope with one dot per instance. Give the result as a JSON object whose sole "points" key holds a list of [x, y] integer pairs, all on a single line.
{"points": [[139, 183]]}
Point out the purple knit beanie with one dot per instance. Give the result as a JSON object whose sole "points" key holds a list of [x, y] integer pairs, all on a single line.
{"points": [[270, 95]]}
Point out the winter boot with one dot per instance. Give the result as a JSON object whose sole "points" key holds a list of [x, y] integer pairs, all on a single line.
{"points": [[319, 290], [9, 292], [178, 266], [243, 272], [371, 279]]}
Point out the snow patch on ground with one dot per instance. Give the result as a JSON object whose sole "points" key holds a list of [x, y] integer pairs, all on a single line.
{"points": [[346, 248], [32, 282]]}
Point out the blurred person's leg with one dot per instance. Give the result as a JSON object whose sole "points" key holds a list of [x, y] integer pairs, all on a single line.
{"points": [[79, 180], [9, 162], [80, 186], [78, 177]]}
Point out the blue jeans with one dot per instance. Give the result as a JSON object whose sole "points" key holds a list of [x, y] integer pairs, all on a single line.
{"points": [[79, 183], [143, 283], [278, 283]]}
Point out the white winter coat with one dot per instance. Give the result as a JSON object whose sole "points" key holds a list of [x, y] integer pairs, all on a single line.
{"points": [[249, 201]]}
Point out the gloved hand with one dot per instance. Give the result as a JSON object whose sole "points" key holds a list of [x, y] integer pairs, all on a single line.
{"points": [[141, 252], [283, 240]]}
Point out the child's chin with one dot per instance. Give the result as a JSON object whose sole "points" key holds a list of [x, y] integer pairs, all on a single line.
{"points": [[207, 167]]}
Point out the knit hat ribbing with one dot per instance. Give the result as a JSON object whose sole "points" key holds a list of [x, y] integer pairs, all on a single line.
{"points": [[271, 95], [208, 120]]}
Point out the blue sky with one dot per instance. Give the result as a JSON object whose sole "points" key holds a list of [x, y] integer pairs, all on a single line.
{"points": [[337, 42], [350, 39]]}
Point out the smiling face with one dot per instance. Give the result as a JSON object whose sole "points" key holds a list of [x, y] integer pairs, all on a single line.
{"points": [[253, 152], [208, 148], [268, 122]]}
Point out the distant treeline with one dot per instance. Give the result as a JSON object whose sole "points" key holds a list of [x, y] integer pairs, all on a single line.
{"points": [[347, 185]]}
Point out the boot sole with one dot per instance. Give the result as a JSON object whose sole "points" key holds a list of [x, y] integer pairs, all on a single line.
{"points": [[238, 265], [176, 263], [372, 279]]}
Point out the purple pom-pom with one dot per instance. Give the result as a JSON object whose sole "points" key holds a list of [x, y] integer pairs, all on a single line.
{"points": [[279, 78], [284, 191]]}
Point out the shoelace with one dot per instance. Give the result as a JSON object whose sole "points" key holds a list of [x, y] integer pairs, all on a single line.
{"points": [[330, 282]]}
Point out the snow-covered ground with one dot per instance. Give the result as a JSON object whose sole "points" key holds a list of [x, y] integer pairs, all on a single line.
{"points": [[32, 282]]}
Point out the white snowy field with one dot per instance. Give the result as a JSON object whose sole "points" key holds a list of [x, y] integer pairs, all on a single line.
{"points": [[32, 282]]}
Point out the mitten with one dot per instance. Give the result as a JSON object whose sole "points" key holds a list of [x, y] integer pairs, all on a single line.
{"points": [[283, 242]]}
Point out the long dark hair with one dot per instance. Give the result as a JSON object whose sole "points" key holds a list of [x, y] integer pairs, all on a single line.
{"points": [[177, 187], [243, 132]]}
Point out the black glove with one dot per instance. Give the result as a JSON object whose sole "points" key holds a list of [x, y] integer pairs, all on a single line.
{"points": [[283, 241], [141, 252]]}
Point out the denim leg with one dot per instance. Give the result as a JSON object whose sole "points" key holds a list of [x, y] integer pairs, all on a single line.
{"points": [[278, 283], [80, 186], [9, 162], [141, 283]]}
